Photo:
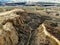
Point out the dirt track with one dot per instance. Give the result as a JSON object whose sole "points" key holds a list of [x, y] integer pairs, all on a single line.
{"points": [[12, 11]]}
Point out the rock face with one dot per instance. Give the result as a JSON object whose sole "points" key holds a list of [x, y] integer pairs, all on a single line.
{"points": [[22, 28], [8, 34]]}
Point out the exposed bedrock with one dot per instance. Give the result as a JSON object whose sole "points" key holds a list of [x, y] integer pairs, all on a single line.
{"points": [[23, 28]]}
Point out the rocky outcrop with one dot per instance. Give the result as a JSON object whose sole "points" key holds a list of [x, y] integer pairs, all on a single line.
{"points": [[18, 27]]}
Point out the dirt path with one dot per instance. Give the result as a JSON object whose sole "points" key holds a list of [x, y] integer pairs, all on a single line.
{"points": [[9, 12]]}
